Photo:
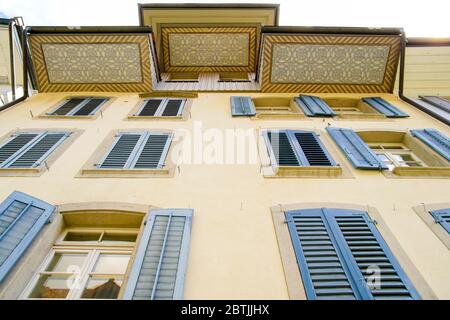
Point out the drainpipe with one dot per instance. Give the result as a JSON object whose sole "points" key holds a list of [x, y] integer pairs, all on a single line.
{"points": [[25, 69], [401, 85]]}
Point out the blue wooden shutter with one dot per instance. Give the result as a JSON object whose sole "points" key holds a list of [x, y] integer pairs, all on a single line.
{"points": [[312, 148], [36, 153], [281, 149], [150, 107], [14, 145], [242, 106], [21, 219], [90, 107], [68, 106], [173, 107], [160, 263], [442, 216], [435, 140], [355, 149], [121, 151], [439, 102], [154, 151], [314, 106], [385, 107], [344, 247]]}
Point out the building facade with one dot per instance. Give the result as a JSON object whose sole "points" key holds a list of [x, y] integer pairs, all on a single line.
{"points": [[212, 154]]}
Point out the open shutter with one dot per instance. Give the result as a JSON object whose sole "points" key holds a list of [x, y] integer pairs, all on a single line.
{"points": [[435, 140], [160, 263], [13, 146], [90, 107], [312, 149], [21, 218], [242, 106], [121, 151], [154, 151], [314, 106], [68, 106], [442, 216], [150, 107], [339, 251], [439, 102], [173, 107], [281, 149], [385, 107], [35, 154], [355, 149]]}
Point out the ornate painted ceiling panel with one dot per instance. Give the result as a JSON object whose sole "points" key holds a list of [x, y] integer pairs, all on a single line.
{"points": [[92, 62], [209, 49], [326, 63]]}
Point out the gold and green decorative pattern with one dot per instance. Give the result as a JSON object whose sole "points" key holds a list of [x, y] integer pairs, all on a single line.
{"points": [[329, 63], [209, 49], [92, 62]]}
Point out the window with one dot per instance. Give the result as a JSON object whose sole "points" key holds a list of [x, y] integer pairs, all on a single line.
{"points": [[442, 216], [338, 251], [29, 150], [233, 77], [160, 108], [83, 264], [437, 218], [440, 102], [131, 153], [422, 152], [265, 107], [78, 107], [183, 77], [373, 108], [297, 150]]}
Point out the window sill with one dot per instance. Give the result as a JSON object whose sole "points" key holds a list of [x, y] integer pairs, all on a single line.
{"points": [[91, 117], [169, 118], [126, 173], [21, 172], [368, 116], [264, 116], [418, 172], [303, 172]]}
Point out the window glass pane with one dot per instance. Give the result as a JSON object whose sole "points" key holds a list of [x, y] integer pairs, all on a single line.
{"points": [[52, 287], [112, 263], [102, 289], [82, 236], [67, 262], [119, 237]]}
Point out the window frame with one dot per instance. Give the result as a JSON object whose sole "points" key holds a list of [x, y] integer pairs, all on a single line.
{"points": [[70, 115]]}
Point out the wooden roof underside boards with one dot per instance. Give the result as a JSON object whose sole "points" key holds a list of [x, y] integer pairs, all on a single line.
{"points": [[91, 61]]}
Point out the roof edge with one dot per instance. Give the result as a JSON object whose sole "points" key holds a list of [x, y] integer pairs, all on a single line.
{"points": [[87, 29], [333, 30], [427, 42]]}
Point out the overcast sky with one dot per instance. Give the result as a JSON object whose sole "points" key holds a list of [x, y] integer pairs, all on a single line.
{"points": [[419, 18]]}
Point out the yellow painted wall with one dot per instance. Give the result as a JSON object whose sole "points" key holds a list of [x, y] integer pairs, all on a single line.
{"points": [[233, 250]]}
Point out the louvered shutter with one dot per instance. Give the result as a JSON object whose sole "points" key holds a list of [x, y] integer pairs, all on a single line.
{"points": [[160, 263], [385, 107], [14, 145], [314, 106], [154, 152], [439, 102], [355, 149], [339, 251], [282, 149], [435, 140], [90, 107], [150, 107], [242, 106], [68, 106], [442, 216], [121, 152], [173, 107], [21, 219], [35, 154], [312, 149]]}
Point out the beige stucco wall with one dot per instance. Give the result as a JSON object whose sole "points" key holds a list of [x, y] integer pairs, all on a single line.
{"points": [[233, 250]]}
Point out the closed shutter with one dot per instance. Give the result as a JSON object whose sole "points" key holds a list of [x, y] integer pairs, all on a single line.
{"points": [[439, 102], [314, 106], [341, 253], [143, 150], [297, 148], [442, 216], [242, 106], [173, 108], [39, 151], [385, 107], [68, 106], [150, 107], [435, 140], [90, 107], [355, 149], [21, 218], [16, 143], [160, 263]]}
